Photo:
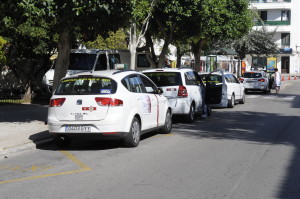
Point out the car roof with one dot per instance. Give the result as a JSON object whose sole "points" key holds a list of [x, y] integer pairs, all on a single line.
{"points": [[115, 74], [216, 73], [254, 71], [168, 70]]}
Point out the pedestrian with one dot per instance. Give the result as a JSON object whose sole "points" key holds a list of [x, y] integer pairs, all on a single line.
{"points": [[277, 80]]}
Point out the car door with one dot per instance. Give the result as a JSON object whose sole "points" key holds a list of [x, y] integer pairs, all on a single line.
{"points": [[158, 100], [233, 86], [146, 102], [215, 89], [194, 89]]}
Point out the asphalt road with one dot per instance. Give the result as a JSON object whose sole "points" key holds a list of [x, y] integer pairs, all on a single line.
{"points": [[250, 151]]}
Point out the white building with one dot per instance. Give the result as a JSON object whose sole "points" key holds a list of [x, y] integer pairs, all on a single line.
{"points": [[284, 17]]}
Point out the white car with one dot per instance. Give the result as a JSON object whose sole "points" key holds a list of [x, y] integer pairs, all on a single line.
{"points": [[108, 104], [183, 88], [223, 89], [255, 81]]}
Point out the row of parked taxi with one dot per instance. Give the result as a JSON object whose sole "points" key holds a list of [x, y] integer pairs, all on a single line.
{"points": [[122, 104]]}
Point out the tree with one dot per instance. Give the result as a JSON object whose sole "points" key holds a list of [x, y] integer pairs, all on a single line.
{"points": [[30, 44], [257, 42], [75, 19], [3, 42], [115, 40], [168, 22], [141, 13], [219, 20]]}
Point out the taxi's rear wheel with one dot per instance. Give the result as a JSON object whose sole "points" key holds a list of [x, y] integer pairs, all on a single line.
{"points": [[231, 102], [133, 137], [168, 123], [191, 116]]}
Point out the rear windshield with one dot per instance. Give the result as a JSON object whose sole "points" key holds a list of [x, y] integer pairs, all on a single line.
{"points": [[252, 75], [165, 78], [86, 86]]}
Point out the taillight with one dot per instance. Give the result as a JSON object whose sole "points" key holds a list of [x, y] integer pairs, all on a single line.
{"points": [[242, 80], [57, 102], [106, 101], [182, 91], [261, 80]]}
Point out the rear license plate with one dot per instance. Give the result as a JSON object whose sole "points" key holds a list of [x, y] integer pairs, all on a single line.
{"points": [[76, 128]]}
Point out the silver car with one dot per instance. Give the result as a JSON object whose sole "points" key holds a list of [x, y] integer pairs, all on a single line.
{"points": [[255, 81]]}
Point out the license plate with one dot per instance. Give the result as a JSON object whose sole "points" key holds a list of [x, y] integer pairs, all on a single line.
{"points": [[76, 128]]}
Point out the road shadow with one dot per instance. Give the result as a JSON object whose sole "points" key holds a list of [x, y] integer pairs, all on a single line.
{"points": [[23, 112]]}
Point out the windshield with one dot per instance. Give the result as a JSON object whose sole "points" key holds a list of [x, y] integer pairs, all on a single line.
{"points": [[82, 61], [86, 86], [165, 78], [252, 75]]}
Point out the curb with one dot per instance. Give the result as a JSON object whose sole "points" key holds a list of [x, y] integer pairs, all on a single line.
{"points": [[22, 148]]}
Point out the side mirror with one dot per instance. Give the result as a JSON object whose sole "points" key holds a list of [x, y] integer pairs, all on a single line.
{"points": [[159, 91]]}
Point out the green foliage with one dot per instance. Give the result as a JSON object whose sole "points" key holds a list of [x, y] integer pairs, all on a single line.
{"points": [[3, 42], [115, 40]]}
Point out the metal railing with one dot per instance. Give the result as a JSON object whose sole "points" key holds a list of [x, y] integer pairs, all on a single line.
{"points": [[273, 23]]}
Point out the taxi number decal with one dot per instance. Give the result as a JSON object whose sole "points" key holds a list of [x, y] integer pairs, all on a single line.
{"points": [[105, 91], [171, 89]]}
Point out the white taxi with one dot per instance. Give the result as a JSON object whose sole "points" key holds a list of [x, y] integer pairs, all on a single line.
{"points": [[108, 104], [255, 81], [184, 90], [223, 89]]}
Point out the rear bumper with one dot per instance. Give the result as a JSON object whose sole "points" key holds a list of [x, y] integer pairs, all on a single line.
{"points": [[180, 106]]}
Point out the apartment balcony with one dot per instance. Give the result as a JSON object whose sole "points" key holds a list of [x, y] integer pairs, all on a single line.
{"points": [[273, 23], [271, 4]]}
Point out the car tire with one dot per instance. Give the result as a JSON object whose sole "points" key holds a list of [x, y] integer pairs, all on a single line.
{"points": [[206, 112], [243, 100], [190, 117], [231, 102], [133, 137], [168, 123]]}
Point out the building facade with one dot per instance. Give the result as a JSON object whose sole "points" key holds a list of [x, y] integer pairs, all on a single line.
{"points": [[283, 16]]}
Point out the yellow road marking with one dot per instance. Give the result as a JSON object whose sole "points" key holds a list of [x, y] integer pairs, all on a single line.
{"points": [[83, 167]]}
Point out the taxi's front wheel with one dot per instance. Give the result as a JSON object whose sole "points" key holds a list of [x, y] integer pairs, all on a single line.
{"points": [[168, 123], [133, 137]]}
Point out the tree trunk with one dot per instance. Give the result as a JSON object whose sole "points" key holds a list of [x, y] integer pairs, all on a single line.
{"points": [[62, 62], [196, 48], [150, 54], [133, 43]]}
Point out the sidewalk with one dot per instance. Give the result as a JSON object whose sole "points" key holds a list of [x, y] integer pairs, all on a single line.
{"points": [[22, 126]]}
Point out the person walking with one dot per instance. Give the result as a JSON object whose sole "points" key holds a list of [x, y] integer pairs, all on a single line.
{"points": [[277, 80]]}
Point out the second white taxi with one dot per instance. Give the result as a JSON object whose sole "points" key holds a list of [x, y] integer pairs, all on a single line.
{"points": [[108, 104], [223, 89]]}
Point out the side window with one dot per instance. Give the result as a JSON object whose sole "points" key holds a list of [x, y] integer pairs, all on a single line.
{"points": [[227, 78], [190, 78], [135, 84], [101, 62], [234, 79], [149, 87]]}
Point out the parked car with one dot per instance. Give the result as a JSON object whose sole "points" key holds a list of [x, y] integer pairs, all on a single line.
{"points": [[184, 90], [223, 89], [255, 81], [108, 104]]}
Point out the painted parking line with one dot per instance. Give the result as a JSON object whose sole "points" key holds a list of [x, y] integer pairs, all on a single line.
{"points": [[83, 167]]}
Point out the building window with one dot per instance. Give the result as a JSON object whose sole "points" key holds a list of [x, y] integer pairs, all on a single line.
{"points": [[285, 39], [263, 15], [285, 15]]}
